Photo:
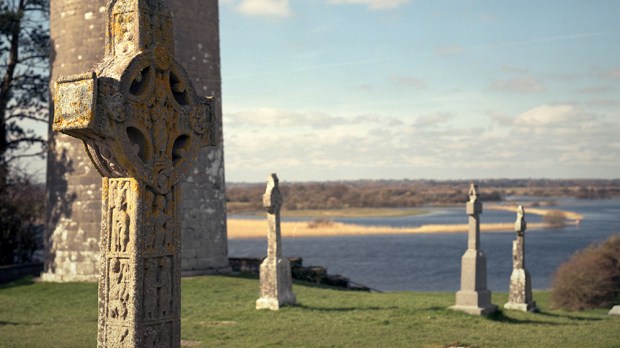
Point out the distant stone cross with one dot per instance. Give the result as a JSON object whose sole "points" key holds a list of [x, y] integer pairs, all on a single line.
{"points": [[520, 292], [142, 125], [276, 286], [474, 297]]}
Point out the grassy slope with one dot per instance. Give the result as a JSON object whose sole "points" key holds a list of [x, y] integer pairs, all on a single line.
{"points": [[219, 311]]}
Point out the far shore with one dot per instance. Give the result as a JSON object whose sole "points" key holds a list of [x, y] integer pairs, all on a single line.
{"points": [[257, 228]]}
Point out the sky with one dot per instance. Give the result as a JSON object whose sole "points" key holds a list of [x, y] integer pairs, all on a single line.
{"points": [[417, 89]]}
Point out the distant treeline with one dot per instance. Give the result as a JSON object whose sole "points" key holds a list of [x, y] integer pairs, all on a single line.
{"points": [[410, 193]]}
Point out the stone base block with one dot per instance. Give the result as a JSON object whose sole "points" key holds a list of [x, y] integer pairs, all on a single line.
{"points": [[273, 303], [276, 285], [615, 311], [473, 298], [524, 307], [474, 302], [475, 310], [286, 299]]}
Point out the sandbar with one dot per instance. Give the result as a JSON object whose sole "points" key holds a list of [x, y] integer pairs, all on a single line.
{"points": [[257, 228]]}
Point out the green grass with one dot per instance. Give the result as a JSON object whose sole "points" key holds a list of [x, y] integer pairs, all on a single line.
{"points": [[218, 311]]}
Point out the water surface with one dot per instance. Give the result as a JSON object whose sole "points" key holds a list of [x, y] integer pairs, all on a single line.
{"points": [[432, 262]]}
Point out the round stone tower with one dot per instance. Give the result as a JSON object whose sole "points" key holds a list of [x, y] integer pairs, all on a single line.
{"points": [[74, 186]]}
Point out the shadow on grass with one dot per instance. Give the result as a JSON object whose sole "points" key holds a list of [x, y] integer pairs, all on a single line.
{"points": [[25, 281], [434, 308], [10, 323], [569, 317], [240, 275], [343, 309], [500, 317], [299, 282]]}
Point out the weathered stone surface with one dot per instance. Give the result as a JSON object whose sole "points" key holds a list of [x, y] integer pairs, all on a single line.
{"points": [[142, 125], [615, 311], [520, 290], [203, 207], [74, 187], [474, 297], [276, 285]]}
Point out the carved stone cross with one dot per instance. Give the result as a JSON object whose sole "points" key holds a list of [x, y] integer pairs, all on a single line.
{"points": [[520, 290], [474, 209], [276, 285], [142, 125], [474, 297]]}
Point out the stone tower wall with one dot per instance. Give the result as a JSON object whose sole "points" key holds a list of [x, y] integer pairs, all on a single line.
{"points": [[74, 186], [205, 243]]}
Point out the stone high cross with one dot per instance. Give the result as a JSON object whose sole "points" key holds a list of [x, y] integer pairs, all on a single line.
{"points": [[520, 293], [276, 285], [142, 125], [474, 297]]}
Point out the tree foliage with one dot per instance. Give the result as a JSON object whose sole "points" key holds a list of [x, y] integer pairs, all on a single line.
{"points": [[24, 88], [590, 279], [356, 194], [21, 208], [414, 193]]}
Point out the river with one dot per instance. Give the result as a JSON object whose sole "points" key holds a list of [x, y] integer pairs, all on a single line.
{"points": [[432, 262]]}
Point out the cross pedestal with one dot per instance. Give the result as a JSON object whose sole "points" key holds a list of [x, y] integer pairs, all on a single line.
{"points": [[474, 297], [142, 125], [520, 291], [276, 285]]}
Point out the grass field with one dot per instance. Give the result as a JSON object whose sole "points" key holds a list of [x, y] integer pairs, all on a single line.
{"points": [[218, 311]]}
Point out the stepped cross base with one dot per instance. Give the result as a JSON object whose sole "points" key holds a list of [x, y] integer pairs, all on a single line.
{"points": [[276, 285], [474, 297], [524, 307], [474, 302]]}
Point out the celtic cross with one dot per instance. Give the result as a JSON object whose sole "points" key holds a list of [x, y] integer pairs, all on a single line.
{"points": [[142, 125]]}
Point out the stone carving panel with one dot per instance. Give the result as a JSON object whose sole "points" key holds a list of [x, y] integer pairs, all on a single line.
{"points": [[120, 216], [119, 292], [119, 337], [161, 221], [158, 288], [158, 335]]}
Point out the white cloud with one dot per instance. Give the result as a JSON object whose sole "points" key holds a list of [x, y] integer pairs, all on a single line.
{"points": [[557, 140], [548, 115], [614, 73], [524, 85], [270, 117], [449, 50], [596, 90], [373, 4], [265, 8], [433, 119], [609, 102], [514, 69], [410, 81]]}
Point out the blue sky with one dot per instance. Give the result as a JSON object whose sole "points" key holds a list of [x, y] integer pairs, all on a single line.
{"points": [[443, 89]]}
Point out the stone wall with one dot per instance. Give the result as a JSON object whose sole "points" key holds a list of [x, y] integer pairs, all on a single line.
{"points": [[74, 186]]}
